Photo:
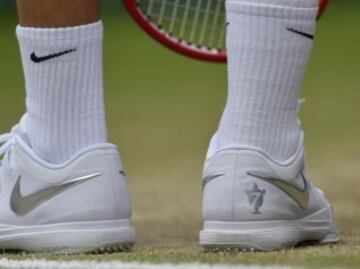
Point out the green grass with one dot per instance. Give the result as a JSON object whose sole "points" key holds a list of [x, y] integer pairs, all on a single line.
{"points": [[162, 109], [345, 255]]}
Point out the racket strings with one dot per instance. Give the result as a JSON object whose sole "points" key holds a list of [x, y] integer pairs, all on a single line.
{"points": [[198, 22]]}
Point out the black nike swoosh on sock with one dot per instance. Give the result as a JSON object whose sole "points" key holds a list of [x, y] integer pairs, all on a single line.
{"points": [[39, 59], [310, 36]]}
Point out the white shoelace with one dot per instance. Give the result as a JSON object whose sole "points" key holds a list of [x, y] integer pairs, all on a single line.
{"points": [[6, 140]]}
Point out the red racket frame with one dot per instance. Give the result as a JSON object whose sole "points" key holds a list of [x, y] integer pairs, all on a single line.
{"points": [[181, 46]]}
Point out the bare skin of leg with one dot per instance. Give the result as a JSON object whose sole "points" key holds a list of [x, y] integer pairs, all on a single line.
{"points": [[57, 13]]}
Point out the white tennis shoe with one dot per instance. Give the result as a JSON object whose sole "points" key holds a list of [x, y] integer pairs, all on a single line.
{"points": [[251, 202], [80, 206]]}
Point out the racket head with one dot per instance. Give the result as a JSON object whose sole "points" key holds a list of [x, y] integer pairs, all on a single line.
{"points": [[323, 5], [213, 51]]}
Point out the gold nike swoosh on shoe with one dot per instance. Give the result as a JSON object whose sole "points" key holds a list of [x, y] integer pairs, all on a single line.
{"points": [[22, 205], [300, 196]]}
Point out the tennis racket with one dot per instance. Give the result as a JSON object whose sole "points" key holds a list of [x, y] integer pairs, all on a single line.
{"points": [[195, 28]]}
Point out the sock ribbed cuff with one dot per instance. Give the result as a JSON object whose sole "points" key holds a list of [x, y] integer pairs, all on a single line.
{"points": [[286, 3], [57, 37], [259, 8]]}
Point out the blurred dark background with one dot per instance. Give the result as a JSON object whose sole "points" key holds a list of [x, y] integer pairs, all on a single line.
{"points": [[162, 109]]}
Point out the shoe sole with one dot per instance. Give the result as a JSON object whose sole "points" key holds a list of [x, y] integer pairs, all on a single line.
{"points": [[268, 235], [65, 238]]}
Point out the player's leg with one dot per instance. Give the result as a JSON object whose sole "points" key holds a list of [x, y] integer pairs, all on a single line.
{"points": [[256, 191], [65, 186], [57, 13]]}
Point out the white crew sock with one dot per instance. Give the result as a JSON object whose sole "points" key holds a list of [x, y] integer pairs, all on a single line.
{"points": [[269, 44], [64, 89]]}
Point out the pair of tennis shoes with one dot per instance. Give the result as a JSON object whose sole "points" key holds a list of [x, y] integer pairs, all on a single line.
{"points": [[250, 202]]}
